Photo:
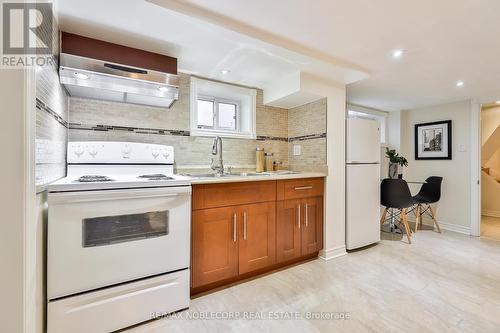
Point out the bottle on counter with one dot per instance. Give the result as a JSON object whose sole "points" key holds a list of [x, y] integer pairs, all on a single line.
{"points": [[269, 161], [260, 160]]}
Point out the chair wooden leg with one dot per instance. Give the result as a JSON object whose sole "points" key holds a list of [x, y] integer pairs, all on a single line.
{"points": [[382, 219], [417, 220], [434, 219], [405, 223]]}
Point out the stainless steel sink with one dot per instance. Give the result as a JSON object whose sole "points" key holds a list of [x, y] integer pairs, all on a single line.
{"points": [[241, 174], [226, 175], [203, 175]]}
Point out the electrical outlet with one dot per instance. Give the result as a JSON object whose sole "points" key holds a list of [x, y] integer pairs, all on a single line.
{"points": [[297, 150]]}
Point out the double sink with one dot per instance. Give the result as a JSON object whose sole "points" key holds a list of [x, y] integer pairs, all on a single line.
{"points": [[240, 174]]}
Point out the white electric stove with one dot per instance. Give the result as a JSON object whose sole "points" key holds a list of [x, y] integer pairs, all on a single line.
{"points": [[118, 238], [118, 165]]}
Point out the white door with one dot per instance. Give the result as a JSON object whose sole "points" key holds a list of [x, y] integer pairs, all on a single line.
{"points": [[363, 205], [363, 141], [101, 238]]}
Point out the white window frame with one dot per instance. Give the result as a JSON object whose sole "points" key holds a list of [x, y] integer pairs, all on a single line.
{"points": [[219, 92], [216, 101]]}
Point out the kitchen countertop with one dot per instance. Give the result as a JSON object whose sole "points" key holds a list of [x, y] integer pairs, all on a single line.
{"points": [[263, 177]]}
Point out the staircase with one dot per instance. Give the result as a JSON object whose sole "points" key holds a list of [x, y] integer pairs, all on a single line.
{"points": [[490, 146], [490, 175]]}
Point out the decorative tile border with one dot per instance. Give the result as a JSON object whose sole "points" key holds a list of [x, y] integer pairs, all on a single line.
{"points": [[271, 138], [42, 106], [307, 137], [161, 131], [138, 130]]}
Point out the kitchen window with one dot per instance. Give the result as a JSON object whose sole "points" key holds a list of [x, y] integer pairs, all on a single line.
{"points": [[218, 114], [221, 109]]}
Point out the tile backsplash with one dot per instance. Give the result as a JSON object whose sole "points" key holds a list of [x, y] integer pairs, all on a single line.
{"points": [[277, 129], [51, 121], [307, 128]]}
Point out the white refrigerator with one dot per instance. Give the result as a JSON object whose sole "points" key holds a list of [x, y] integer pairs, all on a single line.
{"points": [[362, 183]]}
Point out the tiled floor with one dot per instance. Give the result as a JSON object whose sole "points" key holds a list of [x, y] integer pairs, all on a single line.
{"points": [[441, 283], [490, 227]]}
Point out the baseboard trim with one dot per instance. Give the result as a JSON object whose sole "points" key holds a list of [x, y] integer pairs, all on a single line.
{"points": [[466, 230], [490, 213], [333, 253]]}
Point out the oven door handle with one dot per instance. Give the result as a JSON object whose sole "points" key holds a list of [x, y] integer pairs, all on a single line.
{"points": [[108, 195]]}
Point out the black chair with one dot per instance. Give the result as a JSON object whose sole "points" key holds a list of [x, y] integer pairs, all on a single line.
{"points": [[429, 193], [395, 195]]}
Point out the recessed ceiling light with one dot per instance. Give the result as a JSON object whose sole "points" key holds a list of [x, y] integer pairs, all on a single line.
{"points": [[460, 83], [163, 89], [81, 76], [497, 102], [225, 71], [397, 53]]}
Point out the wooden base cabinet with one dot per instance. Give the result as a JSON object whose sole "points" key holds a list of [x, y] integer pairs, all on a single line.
{"points": [[244, 229], [257, 239], [214, 245], [288, 242], [299, 228], [312, 230]]}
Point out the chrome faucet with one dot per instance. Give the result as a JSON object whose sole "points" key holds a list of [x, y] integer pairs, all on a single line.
{"points": [[217, 166]]}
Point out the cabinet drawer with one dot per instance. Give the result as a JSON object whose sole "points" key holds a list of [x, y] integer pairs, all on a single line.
{"points": [[231, 194], [300, 188]]}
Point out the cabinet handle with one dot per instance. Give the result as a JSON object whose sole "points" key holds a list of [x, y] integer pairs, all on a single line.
{"points": [[244, 225], [234, 227], [306, 218], [303, 188], [298, 216]]}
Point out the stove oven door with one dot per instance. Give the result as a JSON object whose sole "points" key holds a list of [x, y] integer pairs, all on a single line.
{"points": [[102, 238]]}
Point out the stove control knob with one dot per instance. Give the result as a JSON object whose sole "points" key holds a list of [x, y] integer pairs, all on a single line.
{"points": [[155, 153], [126, 151], [93, 151], [78, 151]]}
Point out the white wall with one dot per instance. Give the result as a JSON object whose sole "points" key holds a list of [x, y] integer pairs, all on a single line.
{"points": [[394, 130], [12, 196], [455, 206], [393, 140], [334, 238], [334, 205]]}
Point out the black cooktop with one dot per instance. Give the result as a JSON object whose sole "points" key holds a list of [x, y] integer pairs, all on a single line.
{"points": [[156, 176], [94, 178]]}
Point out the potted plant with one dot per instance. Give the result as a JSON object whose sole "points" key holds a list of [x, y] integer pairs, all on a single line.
{"points": [[395, 160]]}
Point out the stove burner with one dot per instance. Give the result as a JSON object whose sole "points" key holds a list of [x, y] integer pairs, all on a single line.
{"points": [[156, 176], [94, 178]]}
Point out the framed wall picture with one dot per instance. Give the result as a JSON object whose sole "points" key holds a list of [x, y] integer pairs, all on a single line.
{"points": [[433, 141]]}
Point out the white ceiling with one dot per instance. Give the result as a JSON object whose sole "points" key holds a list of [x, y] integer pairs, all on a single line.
{"points": [[201, 48], [445, 41]]}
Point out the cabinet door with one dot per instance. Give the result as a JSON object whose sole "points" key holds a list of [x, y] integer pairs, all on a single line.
{"points": [[257, 236], [312, 225], [214, 245], [288, 230]]}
